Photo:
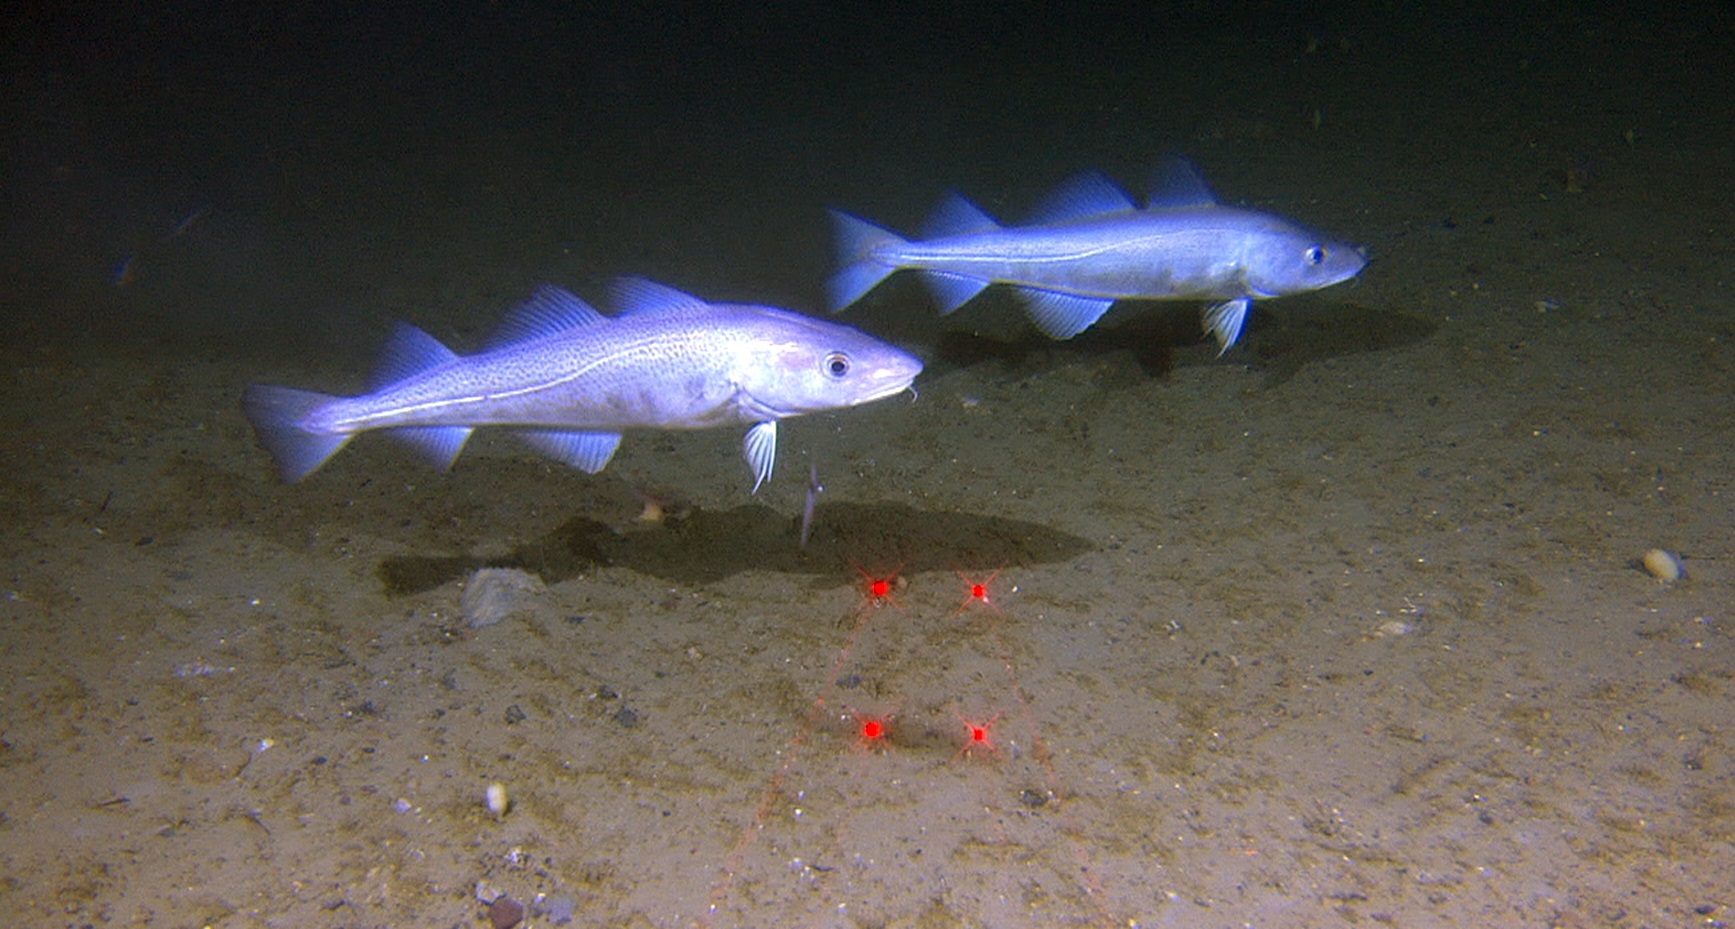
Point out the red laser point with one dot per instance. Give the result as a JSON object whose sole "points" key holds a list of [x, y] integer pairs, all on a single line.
{"points": [[878, 590], [978, 591], [979, 736], [872, 731]]}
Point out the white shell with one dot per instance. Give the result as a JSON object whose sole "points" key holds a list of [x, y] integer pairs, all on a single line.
{"points": [[498, 803], [1664, 565]]}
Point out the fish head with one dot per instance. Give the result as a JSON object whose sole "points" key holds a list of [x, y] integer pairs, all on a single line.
{"points": [[1291, 260], [804, 365]]}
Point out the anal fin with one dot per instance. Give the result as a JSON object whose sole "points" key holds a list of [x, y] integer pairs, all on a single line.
{"points": [[1062, 316], [588, 451], [952, 290], [439, 444]]}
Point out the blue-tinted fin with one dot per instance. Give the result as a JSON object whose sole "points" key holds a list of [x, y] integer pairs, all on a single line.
{"points": [[956, 215], [636, 295], [858, 272], [587, 451], [952, 290], [409, 352], [550, 310], [439, 444], [277, 415], [761, 449], [1176, 183], [1088, 194], [1225, 321], [1062, 316]]}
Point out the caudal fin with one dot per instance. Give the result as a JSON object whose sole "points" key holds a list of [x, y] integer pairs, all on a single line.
{"points": [[858, 271], [278, 415]]}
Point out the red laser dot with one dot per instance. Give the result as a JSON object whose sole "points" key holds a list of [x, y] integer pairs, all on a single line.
{"points": [[878, 591], [872, 732], [978, 591], [979, 736]]}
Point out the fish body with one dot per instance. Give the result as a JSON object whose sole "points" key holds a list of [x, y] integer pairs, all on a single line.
{"points": [[570, 381], [1089, 245]]}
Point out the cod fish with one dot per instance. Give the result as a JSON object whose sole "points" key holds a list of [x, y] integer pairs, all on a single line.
{"points": [[569, 380], [1089, 245]]}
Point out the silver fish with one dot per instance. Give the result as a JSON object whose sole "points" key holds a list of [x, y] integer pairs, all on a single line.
{"points": [[1089, 245], [570, 380]]}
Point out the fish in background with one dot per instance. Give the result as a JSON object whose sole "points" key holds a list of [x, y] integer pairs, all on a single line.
{"points": [[1088, 245], [569, 380]]}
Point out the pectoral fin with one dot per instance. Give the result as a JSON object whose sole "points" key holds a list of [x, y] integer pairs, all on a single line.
{"points": [[761, 449], [1225, 321]]}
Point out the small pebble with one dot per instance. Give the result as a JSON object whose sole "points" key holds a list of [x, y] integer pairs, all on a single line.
{"points": [[493, 594], [1664, 565], [498, 802], [559, 910], [505, 913]]}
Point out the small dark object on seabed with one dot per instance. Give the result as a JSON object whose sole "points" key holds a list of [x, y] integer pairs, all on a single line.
{"points": [[505, 912]]}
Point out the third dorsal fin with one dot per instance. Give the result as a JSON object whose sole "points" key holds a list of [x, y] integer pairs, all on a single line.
{"points": [[1176, 183]]}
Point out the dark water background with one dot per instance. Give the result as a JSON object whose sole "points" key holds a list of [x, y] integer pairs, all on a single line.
{"points": [[360, 162]]}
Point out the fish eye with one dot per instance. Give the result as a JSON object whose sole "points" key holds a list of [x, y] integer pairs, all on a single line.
{"points": [[1316, 255], [836, 364]]}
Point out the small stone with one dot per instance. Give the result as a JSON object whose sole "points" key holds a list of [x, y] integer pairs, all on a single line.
{"points": [[505, 913], [1393, 628], [493, 594], [1664, 565], [559, 910]]}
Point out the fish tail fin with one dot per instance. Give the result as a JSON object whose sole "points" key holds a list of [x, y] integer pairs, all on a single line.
{"points": [[859, 271], [280, 415]]}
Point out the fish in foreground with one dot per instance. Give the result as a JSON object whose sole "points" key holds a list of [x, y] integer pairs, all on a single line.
{"points": [[1089, 245], [569, 380]]}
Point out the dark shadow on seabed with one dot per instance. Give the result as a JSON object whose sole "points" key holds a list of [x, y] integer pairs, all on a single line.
{"points": [[1280, 340], [707, 546]]}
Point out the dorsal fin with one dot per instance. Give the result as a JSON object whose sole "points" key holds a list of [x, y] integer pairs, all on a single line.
{"points": [[550, 310], [956, 215], [1088, 194], [636, 295], [1176, 183], [409, 352]]}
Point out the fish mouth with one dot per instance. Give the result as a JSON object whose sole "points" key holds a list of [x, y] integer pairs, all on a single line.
{"points": [[892, 379], [891, 389]]}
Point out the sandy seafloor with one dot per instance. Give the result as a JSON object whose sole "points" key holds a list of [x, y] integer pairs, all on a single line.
{"points": [[1344, 628]]}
